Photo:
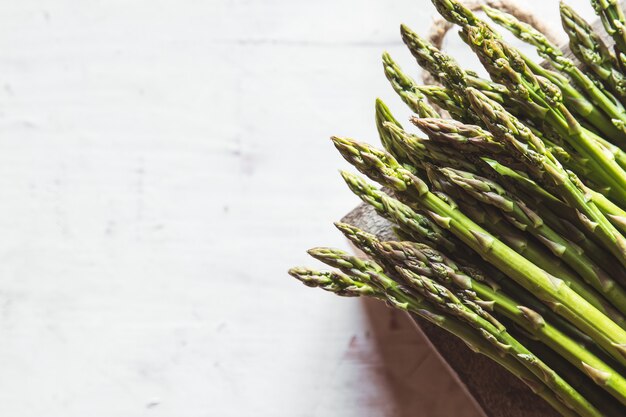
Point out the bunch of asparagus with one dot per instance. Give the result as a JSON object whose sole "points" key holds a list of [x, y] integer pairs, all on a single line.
{"points": [[509, 207]]}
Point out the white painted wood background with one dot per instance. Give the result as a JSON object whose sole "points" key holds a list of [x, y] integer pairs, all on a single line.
{"points": [[162, 164]]}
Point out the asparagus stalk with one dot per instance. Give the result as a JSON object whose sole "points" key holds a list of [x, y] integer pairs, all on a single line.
{"points": [[606, 403], [414, 95], [448, 302], [409, 149], [428, 232], [610, 12], [334, 282], [564, 222], [383, 115], [457, 14], [471, 139], [590, 49], [442, 98], [394, 294], [521, 216], [466, 138], [473, 315], [541, 96], [525, 32], [424, 260], [568, 156], [618, 154], [451, 133], [420, 227], [420, 150], [525, 186], [491, 276], [613, 212], [406, 88], [496, 224], [547, 169], [382, 167], [455, 79], [440, 65]]}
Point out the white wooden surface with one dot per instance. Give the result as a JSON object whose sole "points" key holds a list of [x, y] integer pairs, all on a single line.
{"points": [[162, 164]]}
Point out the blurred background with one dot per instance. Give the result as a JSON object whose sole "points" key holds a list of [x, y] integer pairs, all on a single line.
{"points": [[162, 165]]}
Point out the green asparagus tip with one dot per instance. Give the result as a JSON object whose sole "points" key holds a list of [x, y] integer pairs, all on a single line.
{"points": [[341, 225], [346, 228], [421, 121], [348, 176], [382, 110], [495, 14], [310, 277], [324, 252], [332, 281], [455, 12], [474, 96]]}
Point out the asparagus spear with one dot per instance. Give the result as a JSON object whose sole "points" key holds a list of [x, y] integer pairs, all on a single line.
{"points": [[446, 70], [560, 216], [420, 227], [396, 296], [610, 12], [458, 14], [613, 212], [491, 276], [382, 167], [541, 96], [406, 88], [521, 216], [440, 65], [452, 98], [471, 139], [496, 224], [617, 153], [547, 170], [420, 150], [606, 403], [454, 78], [414, 95], [590, 49], [523, 185], [408, 149], [602, 98], [480, 270], [567, 156], [447, 302], [422, 259], [427, 231], [442, 98], [462, 137], [493, 221], [383, 114]]}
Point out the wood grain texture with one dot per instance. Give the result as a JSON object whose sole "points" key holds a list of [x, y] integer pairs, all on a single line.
{"points": [[162, 164]]}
